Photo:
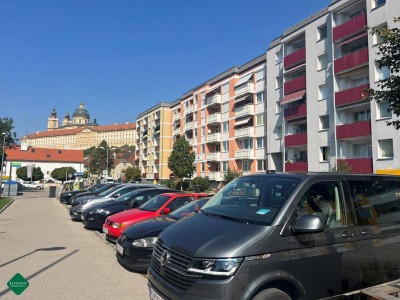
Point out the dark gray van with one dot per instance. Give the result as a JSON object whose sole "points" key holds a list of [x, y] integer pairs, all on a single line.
{"points": [[283, 236]]}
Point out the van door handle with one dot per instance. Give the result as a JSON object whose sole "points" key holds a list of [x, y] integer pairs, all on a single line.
{"points": [[347, 235]]}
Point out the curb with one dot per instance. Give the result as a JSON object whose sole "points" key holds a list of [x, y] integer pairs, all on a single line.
{"points": [[4, 208]]}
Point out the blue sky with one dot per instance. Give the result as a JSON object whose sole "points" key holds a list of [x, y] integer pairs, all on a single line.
{"points": [[121, 57]]}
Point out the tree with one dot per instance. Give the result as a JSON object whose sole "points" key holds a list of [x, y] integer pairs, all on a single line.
{"points": [[6, 126], [181, 160], [132, 174], [62, 173], [89, 151], [37, 174], [389, 88], [231, 174], [98, 159], [342, 166]]}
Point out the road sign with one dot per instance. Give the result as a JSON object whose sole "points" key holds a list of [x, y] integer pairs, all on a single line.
{"points": [[16, 165], [171, 176], [78, 174]]}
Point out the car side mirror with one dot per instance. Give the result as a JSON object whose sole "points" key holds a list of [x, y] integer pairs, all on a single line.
{"points": [[116, 195], [166, 211], [134, 203], [308, 224]]}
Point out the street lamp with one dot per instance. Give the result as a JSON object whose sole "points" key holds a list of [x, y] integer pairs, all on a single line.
{"points": [[107, 149], [2, 162]]}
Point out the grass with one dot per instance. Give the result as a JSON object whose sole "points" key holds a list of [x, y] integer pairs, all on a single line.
{"points": [[4, 202]]}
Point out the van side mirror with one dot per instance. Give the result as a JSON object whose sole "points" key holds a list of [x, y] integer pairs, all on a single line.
{"points": [[308, 224], [166, 211]]}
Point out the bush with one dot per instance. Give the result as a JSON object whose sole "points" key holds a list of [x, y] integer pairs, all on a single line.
{"points": [[203, 182]]}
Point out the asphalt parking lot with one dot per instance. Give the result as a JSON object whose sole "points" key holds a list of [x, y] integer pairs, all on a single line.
{"points": [[58, 257]]}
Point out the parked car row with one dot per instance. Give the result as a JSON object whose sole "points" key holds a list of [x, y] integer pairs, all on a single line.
{"points": [[117, 208]]}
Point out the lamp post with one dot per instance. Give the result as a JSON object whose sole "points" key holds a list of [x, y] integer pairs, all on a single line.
{"points": [[107, 149], [2, 163]]}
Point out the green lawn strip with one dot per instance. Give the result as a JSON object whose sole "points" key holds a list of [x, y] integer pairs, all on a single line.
{"points": [[4, 202]]}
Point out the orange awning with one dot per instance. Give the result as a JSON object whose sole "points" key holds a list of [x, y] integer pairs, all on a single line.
{"points": [[293, 97]]}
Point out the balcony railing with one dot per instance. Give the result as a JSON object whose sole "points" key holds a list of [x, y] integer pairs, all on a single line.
{"points": [[215, 99], [351, 61], [359, 165], [214, 156], [244, 154], [293, 59], [217, 176], [244, 111], [189, 109], [297, 139], [296, 112], [189, 126], [351, 27], [296, 84], [350, 96], [299, 166], [244, 89], [214, 118], [352, 130], [176, 131], [213, 137], [244, 132], [176, 117]]}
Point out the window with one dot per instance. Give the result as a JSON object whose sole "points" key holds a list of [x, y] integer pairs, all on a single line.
{"points": [[376, 38], [322, 62], [278, 57], [246, 165], [325, 153], [383, 110], [225, 166], [260, 165], [245, 144], [225, 88], [225, 126], [225, 107], [203, 130], [381, 73], [322, 32], [323, 92], [260, 97], [279, 108], [225, 146], [217, 148], [260, 142], [324, 122], [377, 3], [362, 150], [278, 132], [203, 149], [362, 115], [260, 119], [260, 75], [278, 82], [203, 167], [385, 148], [203, 113]]}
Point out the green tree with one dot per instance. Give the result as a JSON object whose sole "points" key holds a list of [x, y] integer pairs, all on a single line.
{"points": [[89, 151], [181, 160], [37, 174], [342, 166], [98, 159], [62, 173], [231, 174], [389, 88], [132, 174], [6, 127], [203, 182]]}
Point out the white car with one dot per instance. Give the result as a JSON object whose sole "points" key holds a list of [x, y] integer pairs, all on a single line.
{"points": [[32, 185]]}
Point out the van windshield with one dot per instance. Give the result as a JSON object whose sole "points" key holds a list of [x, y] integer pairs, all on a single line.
{"points": [[252, 199]]}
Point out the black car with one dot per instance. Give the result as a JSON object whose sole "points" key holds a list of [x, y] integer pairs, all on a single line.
{"points": [[79, 198], [95, 216], [135, 245], [65, 197]]}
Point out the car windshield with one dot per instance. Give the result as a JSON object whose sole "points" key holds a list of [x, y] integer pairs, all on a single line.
{"points": [[252, 199], [104, 188], [109, 190], [155, 203], [127, 196], [188, 209]]}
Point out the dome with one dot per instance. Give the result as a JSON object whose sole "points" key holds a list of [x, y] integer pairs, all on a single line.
{"points": [[81, 112]]}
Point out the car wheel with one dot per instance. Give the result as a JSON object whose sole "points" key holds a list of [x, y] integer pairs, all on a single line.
{"points": [[272, 294], [38, 188]]}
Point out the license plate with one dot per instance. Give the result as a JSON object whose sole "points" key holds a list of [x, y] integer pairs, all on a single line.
{"points": [[154, 295], [120, 249], [105, 230]]}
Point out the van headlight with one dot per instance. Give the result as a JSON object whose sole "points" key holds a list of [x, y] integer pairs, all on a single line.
{"points": [[216, 267], [145, 243]]}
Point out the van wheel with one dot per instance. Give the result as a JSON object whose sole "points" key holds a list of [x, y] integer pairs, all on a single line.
{"points": [[272, 294]]}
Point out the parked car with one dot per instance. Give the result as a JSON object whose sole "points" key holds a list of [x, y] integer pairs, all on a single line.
{"points": [[77, 199], [95, 216], [162, 204], [32, 185], [135, 245], [115, 192], [283, 236], [65, 197]]}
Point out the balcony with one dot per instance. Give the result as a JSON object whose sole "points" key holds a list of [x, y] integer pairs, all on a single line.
{"points": [[244, 132], [350, 96], [214, 156], [243, 111], [296, 112], [350, 28], [244, 154], [214, 100], [351, 61], [298, 139], [359, 165], [176, 131], [244, 89], [189, 109], [293, 59], [299, 83], [213, 138], [214, 118], [189, 126], [299, 166], [217, 176], [353, 130], [176, 117]]}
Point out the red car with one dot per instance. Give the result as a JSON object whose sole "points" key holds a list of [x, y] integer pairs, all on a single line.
{"points": [[161, 204]]}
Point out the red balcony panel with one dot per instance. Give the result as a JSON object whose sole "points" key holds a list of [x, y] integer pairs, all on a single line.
{"points": [[352, 130], [351, 96], [299, 83], [359, 165], [296, 112], [351, 61], [156, 176], [350, 28], [300, 166], [296, 139], [294, 59]]}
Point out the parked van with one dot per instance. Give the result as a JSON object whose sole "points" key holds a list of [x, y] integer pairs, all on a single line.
{"points": [[283, 236]]}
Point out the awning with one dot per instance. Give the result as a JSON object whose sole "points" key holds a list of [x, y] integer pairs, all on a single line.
{"points": [[356, 105], [215, 91], [244, 79], [293, 97], [353, 39], [243, 121]]}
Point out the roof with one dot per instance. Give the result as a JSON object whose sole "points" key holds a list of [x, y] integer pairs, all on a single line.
{"points": [[45, 155]]}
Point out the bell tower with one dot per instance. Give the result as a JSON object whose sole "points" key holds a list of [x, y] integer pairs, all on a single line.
{"points": [[52, 121]]}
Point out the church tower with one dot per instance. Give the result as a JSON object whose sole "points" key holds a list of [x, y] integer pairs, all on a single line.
{"points": [[81, 115], [52, 121], [67, 120]]}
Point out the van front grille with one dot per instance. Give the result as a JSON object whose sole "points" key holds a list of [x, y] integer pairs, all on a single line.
{"points": [[175, 271]]}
